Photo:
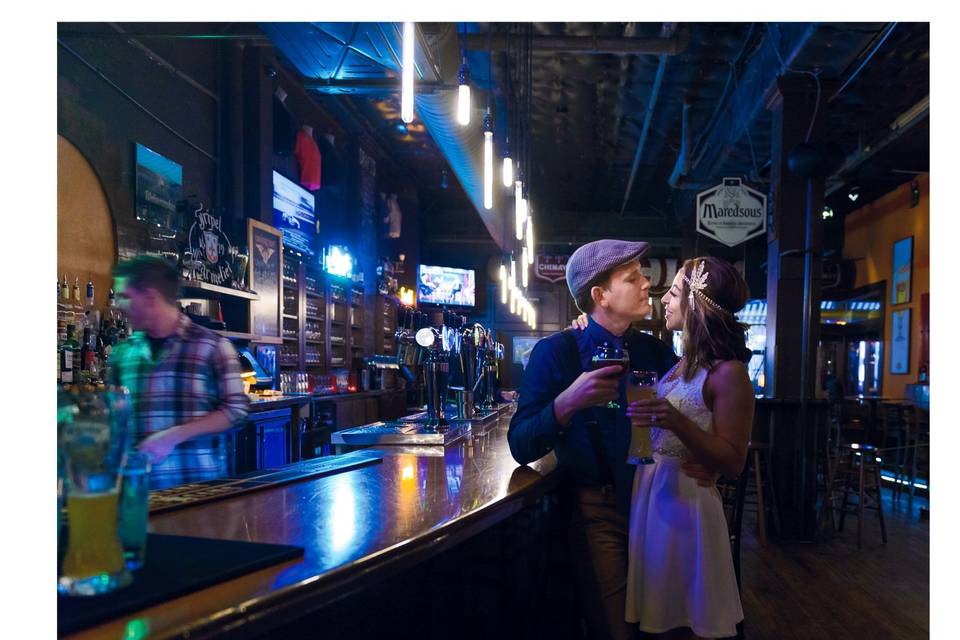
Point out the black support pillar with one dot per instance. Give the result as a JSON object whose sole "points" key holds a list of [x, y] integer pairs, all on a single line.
{"points": [[794, 257]]}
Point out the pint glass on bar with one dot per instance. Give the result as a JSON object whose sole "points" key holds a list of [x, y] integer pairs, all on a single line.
{"points": [[641, 385], [92, 445]]}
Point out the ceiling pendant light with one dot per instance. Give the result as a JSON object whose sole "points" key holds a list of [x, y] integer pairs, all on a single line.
{"points": [[525, 265], [507, 165], [487, 161], [463, 94], [518, 206], [406, 91], [529, 238], [504, 285]]}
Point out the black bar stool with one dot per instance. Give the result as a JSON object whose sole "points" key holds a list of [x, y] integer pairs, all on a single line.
{"points": [[760, 488], [857, 471]]}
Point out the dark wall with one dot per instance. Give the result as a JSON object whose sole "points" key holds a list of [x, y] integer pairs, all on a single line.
{"points": [[111, 96], [209, 106]]}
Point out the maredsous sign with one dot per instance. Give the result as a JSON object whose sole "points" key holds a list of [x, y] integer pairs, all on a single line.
{"points": [[731, 212]]}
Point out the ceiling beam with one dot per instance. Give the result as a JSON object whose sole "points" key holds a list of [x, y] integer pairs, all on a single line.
{"points": [[753, 89], [586, 44], [357, 86]]}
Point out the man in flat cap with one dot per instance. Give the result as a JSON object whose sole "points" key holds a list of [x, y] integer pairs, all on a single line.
{"points": [[561, 409]]}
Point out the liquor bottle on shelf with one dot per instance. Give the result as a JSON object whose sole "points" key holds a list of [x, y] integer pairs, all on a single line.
{"points": [[78, 310], [89, 367], [67, 349], [64, 309], [90, 311]]}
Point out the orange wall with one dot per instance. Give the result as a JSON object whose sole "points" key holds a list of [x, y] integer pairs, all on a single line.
{"points": [[869, 234]]}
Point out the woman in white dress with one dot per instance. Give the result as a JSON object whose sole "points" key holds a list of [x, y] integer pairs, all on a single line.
{"points": [[681, 580]]}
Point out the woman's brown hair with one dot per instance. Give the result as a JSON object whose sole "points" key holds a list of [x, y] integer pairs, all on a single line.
{"points": [[711, 334]]}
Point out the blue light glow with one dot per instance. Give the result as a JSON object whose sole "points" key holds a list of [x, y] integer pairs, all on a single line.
{"points": [[338, 261], [343, 520], [889, 477]]}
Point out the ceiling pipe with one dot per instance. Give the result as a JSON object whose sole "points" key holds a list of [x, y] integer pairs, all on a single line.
{"points": [[370, 85], [682, 167], [871, 50], [668, 46], [647, 118], [903, 123]]}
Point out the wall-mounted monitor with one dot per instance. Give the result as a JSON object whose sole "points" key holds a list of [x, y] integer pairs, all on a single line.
{"points": [[293, 214], [446, 286]]}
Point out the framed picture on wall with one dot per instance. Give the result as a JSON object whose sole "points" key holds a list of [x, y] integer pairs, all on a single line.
{"points": [[902, 271], [158, 189], [266, 278], [900, 342], [522, 347]]}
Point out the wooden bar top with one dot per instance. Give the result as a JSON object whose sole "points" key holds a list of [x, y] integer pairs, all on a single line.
{"points": [[356, 527]]}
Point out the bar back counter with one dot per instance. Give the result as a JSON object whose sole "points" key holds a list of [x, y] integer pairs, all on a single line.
{"points": [[358, 528]]}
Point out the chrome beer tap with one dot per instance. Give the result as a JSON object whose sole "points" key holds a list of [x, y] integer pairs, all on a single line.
{"points": [[436, 372]]}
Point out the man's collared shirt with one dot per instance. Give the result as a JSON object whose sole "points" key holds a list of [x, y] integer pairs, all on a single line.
{"points": [[534, 430], [196, 371]]}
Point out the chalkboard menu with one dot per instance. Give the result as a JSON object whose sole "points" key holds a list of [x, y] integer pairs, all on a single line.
{"points": [[266, 269]]}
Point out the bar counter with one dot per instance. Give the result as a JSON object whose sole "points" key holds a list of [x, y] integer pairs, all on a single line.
{"points": [[356, 527]]}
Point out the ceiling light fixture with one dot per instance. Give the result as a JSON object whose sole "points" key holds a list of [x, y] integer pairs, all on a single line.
{"points": [[853, 194], [518, 205], [406, 89], [504, 285], [463, 95], [507, 165], [487, 161]]}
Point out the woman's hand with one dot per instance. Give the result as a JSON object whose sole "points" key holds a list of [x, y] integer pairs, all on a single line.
{"points": [[580, 322], [656, 413]]}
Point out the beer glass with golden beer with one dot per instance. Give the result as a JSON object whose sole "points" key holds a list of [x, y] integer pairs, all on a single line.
{"points": [[641, 385], [92, 445]]}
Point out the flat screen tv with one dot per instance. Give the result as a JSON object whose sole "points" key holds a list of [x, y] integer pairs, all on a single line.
{"points": [[293, 214], [446, 286]]}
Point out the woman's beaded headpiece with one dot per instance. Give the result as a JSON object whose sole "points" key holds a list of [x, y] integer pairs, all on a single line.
{"points": [[697, 281]]}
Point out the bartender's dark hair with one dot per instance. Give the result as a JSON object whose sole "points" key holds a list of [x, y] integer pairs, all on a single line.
{"points": [[713, 334], [150, 272]]}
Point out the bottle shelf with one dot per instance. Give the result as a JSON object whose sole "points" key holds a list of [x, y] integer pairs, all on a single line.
{"points": [[236, 335], [197, 285]]}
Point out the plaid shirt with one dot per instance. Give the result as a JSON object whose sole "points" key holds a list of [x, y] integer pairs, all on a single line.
{"points": [[196, 371]]}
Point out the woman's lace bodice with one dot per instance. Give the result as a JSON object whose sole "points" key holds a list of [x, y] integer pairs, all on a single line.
{"points": [[687, 397]]}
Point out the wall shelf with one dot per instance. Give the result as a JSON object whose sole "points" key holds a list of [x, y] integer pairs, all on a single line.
{"points": [[237, 335], [197, 285]]}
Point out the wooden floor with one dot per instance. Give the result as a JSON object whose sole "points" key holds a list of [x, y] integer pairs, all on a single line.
{"points": [[830, 589]]}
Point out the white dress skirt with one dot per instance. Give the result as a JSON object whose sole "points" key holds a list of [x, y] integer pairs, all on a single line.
{"points": [[680, 567]]}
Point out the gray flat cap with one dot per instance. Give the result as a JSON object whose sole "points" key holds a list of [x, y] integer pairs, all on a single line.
{"points": [[598, 256]]}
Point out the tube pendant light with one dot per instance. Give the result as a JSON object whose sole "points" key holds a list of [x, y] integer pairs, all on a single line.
{"points": [[406, 90], [487, 161], [463, 95], [504, 285], [518, 206]]}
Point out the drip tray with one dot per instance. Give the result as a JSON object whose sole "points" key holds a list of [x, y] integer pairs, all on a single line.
{"points": [[481, 417], [402, 432]]}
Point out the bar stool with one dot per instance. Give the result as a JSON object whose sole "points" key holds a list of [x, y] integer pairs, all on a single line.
{"points": [[890, 439], [764, 497], [917, 437], [732, 493], [858, 471]]}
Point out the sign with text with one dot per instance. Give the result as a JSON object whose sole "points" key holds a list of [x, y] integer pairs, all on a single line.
{"points": [[731, 212], [551, 268], [209, 256]]}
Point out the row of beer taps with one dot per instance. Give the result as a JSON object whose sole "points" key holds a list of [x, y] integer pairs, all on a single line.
{"points": [[449, 348]]}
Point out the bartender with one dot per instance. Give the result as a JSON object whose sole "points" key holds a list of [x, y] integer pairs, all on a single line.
{"points": [[184, 379]]}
